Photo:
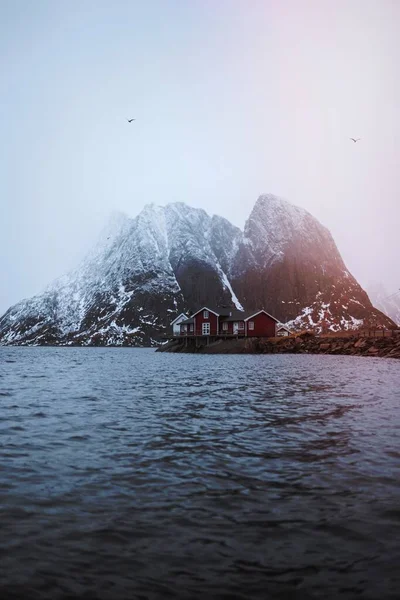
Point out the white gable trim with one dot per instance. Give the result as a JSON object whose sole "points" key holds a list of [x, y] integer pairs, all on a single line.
{"points": [[178, 317], [205, 308], [259, 312]]}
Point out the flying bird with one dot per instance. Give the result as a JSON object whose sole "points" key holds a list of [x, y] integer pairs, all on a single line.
{"points": [[355, 139], [130, 120]]}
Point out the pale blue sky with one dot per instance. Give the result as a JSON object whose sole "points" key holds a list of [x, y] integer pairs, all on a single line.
{"points": [[232, 99]]}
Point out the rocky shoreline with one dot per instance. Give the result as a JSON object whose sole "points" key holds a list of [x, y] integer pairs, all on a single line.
{"points": [[306, 343]]}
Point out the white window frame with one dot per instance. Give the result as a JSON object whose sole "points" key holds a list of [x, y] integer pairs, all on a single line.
{"points": [[251, 325], [206, 314], [241, 325], [205, 329], [224, 326]]}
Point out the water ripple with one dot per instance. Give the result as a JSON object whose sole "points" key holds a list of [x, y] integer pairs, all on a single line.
{"points": [[130, 474]]}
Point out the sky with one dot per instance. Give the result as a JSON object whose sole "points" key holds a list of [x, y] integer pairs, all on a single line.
{"points": [[232, 99]]}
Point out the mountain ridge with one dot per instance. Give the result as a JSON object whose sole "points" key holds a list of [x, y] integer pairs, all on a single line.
{"points": [[145, 270]]}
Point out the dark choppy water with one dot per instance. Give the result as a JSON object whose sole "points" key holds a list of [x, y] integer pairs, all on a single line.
{"points": [[129, 474]]}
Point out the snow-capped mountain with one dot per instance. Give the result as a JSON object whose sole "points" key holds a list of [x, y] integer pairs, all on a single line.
{"points": [[146, 270], [291, 265], [388, 303]]}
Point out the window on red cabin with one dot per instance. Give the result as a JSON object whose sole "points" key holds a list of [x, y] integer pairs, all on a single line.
{"points": [[191, 326], [225, 326], [241, 325], [205, 314], [251, 325]]}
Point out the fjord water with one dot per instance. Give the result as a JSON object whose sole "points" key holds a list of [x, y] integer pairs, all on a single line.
{"points": [[133, 474]]}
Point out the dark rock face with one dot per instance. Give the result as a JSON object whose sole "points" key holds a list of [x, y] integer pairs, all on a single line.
{"points": [[200, 284], [147, 270]]}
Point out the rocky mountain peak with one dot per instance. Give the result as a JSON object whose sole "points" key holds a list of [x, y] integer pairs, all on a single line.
{"points": [[270, 208]]}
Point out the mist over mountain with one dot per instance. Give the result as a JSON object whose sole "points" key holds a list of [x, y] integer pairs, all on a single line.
{"points": [[146, 270], [388, 303]]}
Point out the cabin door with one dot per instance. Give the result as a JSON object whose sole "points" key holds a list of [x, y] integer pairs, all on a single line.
{"points": [[236, 328]]}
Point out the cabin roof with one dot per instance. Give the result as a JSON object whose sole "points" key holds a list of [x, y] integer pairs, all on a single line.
{"points": [[240, 315], [178, 317], [187, 321], [218, 311], [236, 315], [228, 314], [261, 311]]}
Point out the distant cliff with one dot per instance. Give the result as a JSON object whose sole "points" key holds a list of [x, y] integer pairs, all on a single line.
{"points": [[388, 303]]}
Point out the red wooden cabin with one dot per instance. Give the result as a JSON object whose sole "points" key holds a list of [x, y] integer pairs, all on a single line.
{"points": [[228, 322]]}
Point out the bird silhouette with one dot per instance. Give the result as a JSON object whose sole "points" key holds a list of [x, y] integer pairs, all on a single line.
{"points": [[355, 139], [130, 120]]}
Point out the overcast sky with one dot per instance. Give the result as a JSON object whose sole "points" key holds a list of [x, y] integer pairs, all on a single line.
{"points": [[232, 99]]}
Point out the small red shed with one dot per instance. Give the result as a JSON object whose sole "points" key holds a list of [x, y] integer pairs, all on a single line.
{"points": [[260, 324]]}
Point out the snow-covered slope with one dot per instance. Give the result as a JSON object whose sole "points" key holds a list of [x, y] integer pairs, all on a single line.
{"points": [[128, 289], [102, 299], [201, 250], [144, 271]]}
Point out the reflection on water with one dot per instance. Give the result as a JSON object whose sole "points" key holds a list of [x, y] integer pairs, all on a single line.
{"points": [[130, 474]]}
